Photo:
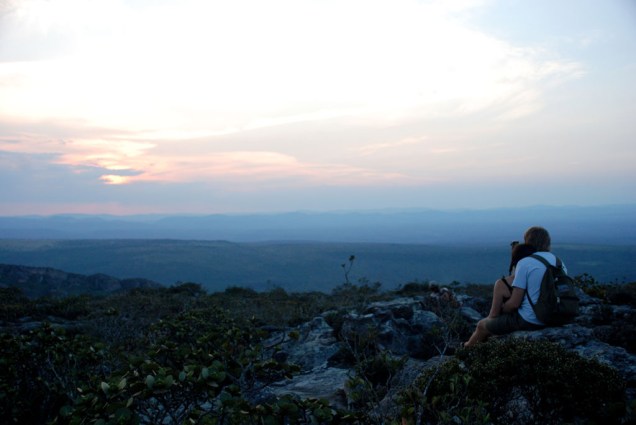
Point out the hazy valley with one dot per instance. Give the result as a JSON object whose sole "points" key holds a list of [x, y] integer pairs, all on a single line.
{"points": [[305, 251]]}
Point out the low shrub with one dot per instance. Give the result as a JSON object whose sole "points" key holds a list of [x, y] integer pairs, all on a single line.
{"points": [[69, 308], [514, 381], [414, 288], [40, 371], [622, 294], [591, 286], [14, 304]]}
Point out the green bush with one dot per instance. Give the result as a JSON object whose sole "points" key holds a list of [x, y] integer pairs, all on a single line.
{"points": [[14, 304], [189, 288], [41, 370], [276, 307], [414, 288], [591, 286], [178, 355], [200, 367], [358, 295], [69, 308], [477, 386], [372, 380], [241, 292], [622, 294]]}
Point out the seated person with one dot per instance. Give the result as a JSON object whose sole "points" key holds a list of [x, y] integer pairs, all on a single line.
{"points": [[516, 313], [503, 289]]}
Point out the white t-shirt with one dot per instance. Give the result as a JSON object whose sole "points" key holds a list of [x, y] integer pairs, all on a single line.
{"points": [[528, 276]]}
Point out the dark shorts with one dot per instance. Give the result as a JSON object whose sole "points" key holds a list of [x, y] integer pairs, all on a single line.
{"points": [[510, 322]]}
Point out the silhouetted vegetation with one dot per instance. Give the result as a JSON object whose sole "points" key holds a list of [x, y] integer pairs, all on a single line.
{"points": [[480, 385], [181, 355]]}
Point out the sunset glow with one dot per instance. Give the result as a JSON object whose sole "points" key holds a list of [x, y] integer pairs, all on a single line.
{"points": [[247, 99]]}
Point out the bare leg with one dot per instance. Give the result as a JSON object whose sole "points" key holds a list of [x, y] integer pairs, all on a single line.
{"points": [[481, 334], [500, 292]]}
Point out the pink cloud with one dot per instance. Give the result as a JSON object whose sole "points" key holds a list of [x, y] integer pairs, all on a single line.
{"points": [[127, 160]]}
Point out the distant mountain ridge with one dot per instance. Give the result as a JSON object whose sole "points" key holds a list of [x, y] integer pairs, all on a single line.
{"points": [[45, 281], [612, 225], [303, 251]]}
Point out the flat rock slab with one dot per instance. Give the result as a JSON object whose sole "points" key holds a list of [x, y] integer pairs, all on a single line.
{"points": [[321, 383]]}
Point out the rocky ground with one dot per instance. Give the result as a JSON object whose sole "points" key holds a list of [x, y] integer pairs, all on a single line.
{"points": [[419, 329]]}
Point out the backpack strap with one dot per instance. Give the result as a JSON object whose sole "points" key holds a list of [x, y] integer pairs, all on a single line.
{"points": [[531, 303], [545, 262], [547, 265]]}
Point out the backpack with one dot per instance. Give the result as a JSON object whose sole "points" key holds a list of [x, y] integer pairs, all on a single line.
{"points": [[557, 303]]}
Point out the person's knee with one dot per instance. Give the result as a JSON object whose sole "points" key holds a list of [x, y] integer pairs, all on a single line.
{"points": [[501, 285], [502, 289], [481, 325]]}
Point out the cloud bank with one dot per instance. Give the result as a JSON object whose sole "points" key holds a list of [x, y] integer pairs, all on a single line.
{"points": [[281, 93]]}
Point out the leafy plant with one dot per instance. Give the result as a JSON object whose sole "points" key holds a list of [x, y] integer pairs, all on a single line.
{"points": [[200, 367], [41, 370], [180, 355], [414, 288], [622, 294], [591, 286], [14, 304], [556, 386]]}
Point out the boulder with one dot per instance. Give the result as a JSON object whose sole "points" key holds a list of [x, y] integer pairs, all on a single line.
{"points": [[311, 349], [410, 327], [321, 383], [470, 314]]}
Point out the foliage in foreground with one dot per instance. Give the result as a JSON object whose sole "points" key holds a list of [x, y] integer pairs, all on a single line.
{"points": [[179, 355], [164, 355], [41, 369], [515, 381], [201, 367]]}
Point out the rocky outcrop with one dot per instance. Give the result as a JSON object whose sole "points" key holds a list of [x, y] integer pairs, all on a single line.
{"points": [[323, 350], [36, 282], [418, 329]]}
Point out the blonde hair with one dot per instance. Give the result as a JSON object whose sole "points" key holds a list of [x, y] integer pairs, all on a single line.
{"points": [[538, 237]]}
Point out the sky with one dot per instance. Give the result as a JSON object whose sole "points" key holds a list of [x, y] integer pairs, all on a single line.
{"points": [[243, 106]]}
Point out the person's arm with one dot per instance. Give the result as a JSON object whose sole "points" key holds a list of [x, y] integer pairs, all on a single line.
{"points": [[515, 300]]}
